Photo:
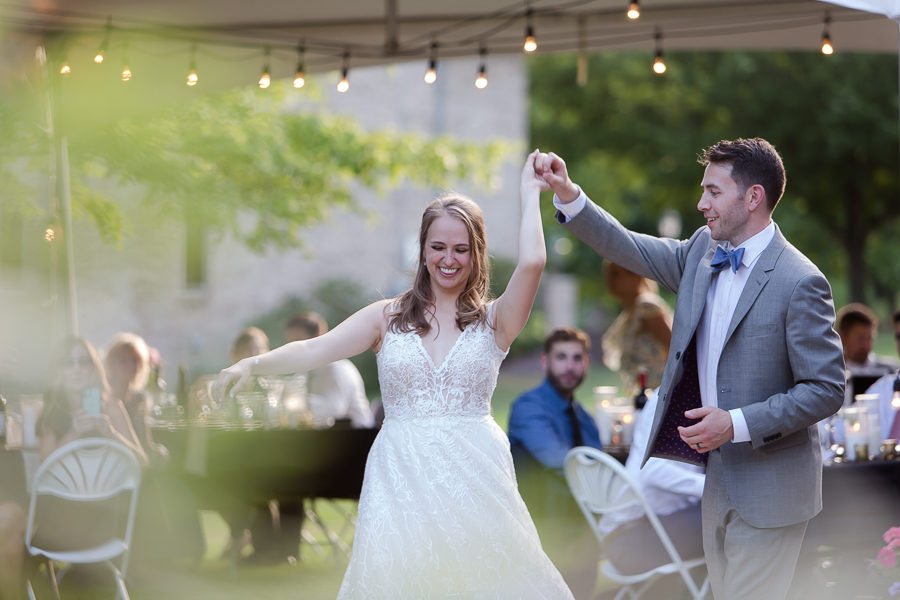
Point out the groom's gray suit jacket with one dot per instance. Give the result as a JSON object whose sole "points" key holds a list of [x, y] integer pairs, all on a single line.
{"points": [[781, 363]]}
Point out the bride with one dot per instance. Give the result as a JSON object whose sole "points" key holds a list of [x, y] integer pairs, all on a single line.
{"points": [[439, 514]]}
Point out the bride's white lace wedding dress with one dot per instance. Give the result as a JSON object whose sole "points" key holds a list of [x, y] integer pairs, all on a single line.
{"points": [[440, 514]]}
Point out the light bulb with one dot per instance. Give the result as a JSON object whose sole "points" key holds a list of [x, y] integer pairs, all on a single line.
{"points": [[265, 80], [49, 234], [634, 11], [344, 84], [65, 69], [827, 48], [431, 73], [481, 81], [192, 78], [659, 67], [98, 58], [299, 79], [530, 43], [126, 74]]}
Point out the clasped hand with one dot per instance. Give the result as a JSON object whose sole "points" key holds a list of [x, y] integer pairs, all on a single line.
{"points": [[714, 429]]}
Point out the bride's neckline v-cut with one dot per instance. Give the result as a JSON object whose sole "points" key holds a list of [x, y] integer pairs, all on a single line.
{"points": [[443, 362]]}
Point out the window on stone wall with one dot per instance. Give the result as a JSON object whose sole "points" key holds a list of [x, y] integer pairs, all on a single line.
{"points": [[195, 251]]}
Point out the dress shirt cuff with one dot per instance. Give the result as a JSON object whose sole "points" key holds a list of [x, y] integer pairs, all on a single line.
{"points": [[571, 209], [739, 423]]}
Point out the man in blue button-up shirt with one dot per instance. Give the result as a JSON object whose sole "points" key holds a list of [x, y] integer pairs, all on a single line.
{"points": [[541, 432], [541, 420]]}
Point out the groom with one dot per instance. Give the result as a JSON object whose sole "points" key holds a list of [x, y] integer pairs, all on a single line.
{"points": [[753, 364]]}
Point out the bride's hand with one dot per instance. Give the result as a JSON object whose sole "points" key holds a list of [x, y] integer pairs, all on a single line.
{"points": [[532, 181], [233, 378]]}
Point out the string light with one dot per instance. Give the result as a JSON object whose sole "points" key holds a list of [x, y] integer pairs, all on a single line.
{"points": [[344, 84], [581, 70], [49, 234], [827, 48], [431, 73], [98, 58], [192, 78], [481, 81], [634, 10], [299, 78], [265, 80], [530, 44], [659, 66], [126, 71]]}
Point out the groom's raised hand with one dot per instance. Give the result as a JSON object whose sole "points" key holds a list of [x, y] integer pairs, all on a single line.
{"points": [[553, 170]]}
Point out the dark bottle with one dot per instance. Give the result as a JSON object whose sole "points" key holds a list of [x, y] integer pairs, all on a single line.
{"points": [[181, 392], [640, 399]]}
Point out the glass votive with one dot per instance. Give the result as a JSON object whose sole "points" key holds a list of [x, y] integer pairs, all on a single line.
{"points": [[861, 452], [889, 449], [856, 431]]}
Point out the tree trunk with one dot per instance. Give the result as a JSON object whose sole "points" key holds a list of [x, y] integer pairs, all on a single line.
{"points": [[855, 245]]}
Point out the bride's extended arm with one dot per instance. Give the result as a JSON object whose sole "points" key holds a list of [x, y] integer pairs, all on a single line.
{"points": [[514, 306], [357, 333]]}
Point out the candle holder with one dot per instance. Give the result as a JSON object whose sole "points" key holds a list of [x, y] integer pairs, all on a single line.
{"points": [[856, 431], [889, 449]]}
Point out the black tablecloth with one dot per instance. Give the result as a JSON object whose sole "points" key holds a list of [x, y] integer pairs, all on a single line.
{"points": [[261, 464]]}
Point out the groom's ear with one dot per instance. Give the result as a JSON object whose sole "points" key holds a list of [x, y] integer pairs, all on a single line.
{"points": [[756, 197]]}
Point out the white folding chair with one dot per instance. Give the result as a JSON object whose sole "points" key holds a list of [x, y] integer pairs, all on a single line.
{"points": [[601, 485], [88, 470]]}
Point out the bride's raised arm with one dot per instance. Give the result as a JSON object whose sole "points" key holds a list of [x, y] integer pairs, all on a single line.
{"points": [[513, 307], [356, 334]]}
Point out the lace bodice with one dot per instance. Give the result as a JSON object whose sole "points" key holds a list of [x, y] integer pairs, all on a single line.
{"points": [[412, 386]]}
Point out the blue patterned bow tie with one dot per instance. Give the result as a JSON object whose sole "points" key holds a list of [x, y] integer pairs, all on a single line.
{"points": [[723, 257]]}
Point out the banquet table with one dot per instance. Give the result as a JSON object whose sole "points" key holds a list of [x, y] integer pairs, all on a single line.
{"points": [[861, 500], [255, 465]]}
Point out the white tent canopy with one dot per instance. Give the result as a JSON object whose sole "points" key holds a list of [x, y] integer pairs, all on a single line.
{"points": [[361, 32]]}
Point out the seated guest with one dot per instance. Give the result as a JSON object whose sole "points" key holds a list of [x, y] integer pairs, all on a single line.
{"points": [[637, 342], [857, 326], [333, 392], [167, 527], [885, 388], [78, 405], [81, 404], [259, 521], [127, 364], [546, 422], [673, 490], [337, 390]]}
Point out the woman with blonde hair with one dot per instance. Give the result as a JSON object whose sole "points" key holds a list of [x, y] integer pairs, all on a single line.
{"points": [[440, 514]]}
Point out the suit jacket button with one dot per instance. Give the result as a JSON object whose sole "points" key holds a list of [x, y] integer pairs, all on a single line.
{"points": [[677, 355]]}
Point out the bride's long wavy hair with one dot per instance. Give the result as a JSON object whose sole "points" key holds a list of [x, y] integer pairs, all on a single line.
{"points": [[411, 310]]}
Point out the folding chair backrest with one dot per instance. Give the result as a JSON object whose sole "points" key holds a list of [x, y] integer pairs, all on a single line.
{"points": [[90, 470], [601, 484]]}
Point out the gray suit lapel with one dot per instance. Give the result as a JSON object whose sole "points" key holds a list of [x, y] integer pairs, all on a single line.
{"points": [[701, 286], [756, 281]]}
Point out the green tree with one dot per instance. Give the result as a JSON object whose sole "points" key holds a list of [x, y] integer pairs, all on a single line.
{"points": [[251, 163], [631, 139]]}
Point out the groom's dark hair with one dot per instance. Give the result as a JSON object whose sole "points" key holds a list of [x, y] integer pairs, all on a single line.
{"points": [[753, 161]]}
